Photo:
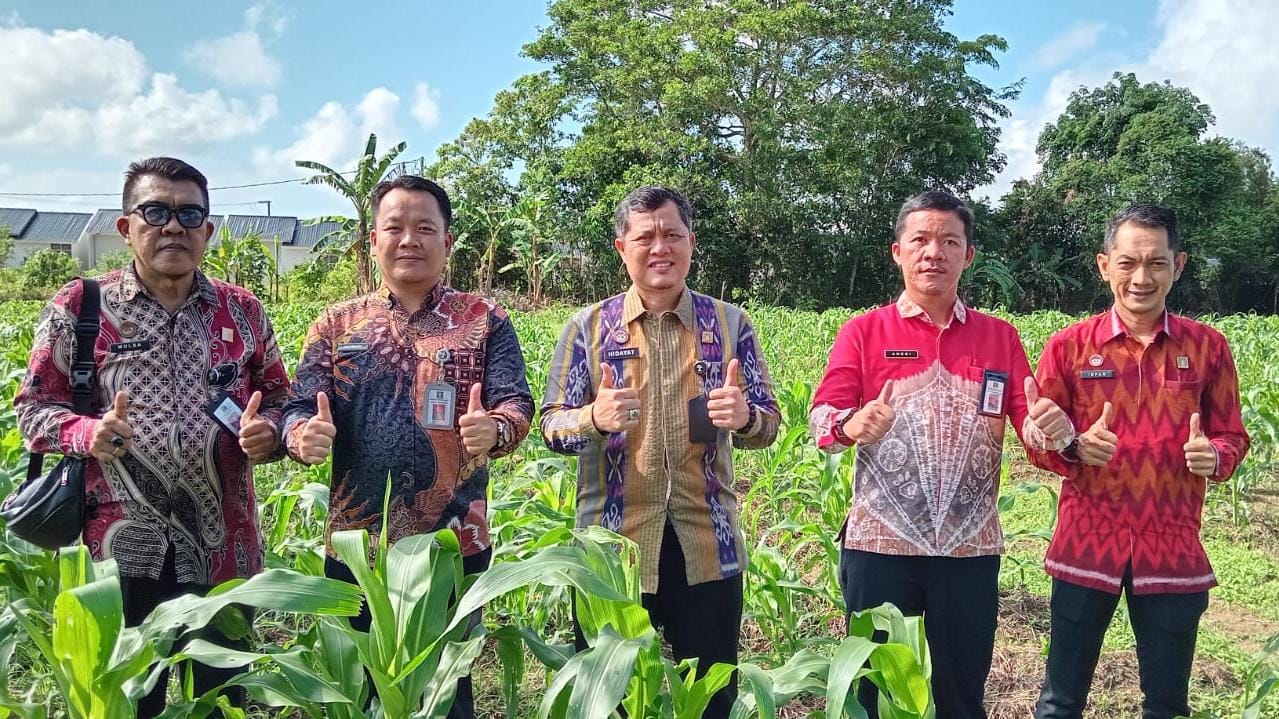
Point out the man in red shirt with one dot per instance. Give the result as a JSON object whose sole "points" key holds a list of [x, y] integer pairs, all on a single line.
{"points": [[923, 387], [1160, 398]]}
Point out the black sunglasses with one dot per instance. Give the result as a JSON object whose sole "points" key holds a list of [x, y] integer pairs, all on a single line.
{"points": [[157, 215]]}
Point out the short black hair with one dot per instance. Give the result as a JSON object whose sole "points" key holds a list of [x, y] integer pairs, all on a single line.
{"points": [[1146, 214], [647, 199], [935, 200], [413, 183], [170, 168]]}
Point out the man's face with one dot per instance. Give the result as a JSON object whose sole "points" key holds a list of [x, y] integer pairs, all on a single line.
{"points": [[171, 252], [409, 239], [656, 248], [933, 253], [1141, 269]]}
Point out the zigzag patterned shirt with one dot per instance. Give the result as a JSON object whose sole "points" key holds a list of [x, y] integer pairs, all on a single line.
{"points": [[1144, 508], [634, 482]]}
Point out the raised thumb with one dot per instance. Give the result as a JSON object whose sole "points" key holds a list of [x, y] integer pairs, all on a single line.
{"points": [[886, 394], [251, 409], [730, 375], [121, 407], [1107, 414], [475, 405], [607, 378], [1032, 391], [1196, 430], [323, 411]]}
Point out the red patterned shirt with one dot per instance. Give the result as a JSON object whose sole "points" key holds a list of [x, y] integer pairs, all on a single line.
{"points": [[184, 481], [1143, 508], [930, 486]]}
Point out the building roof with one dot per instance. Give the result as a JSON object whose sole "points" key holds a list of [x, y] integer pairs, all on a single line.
{"points": [[103, 222], [54, 227], [16, 219], [268, 228], [309, 233]]}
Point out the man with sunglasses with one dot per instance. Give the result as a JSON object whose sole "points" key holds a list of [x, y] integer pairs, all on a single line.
{"points": [[189, 387]]}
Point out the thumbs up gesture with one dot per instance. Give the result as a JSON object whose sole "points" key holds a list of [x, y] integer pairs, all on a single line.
{"points": [[870, 423], [477, 428], [257, 435], [1097, 445], [726, 405], [317, 433], [616, 408], [1047, 416], [1201, 457], [113, 436]]}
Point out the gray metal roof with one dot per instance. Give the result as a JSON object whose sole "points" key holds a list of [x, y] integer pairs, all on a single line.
{"points": [[308, 234], [267, 228], [103, 222], [16, 219], [55, 227]]}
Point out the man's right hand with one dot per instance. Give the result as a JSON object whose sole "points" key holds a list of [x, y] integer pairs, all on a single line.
{"points": [[870, 423], [113, 436], [616, 409], [1097, 446], [315, 442]]}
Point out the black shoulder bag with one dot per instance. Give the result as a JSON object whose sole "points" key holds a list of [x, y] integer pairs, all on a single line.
{"points": [[48, 510]]}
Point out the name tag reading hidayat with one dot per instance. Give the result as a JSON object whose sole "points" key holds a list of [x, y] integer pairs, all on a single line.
{"points": [[901, 354], [351, 349], [1096, 374], [994, 385], [623, 353], [134, 346]]}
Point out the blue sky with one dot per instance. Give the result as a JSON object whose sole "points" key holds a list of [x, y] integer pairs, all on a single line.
{"points": [[243, 89]]}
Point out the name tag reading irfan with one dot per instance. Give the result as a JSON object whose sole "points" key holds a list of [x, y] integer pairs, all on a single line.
{"points": [[994, 385], [440, 404], [134, 346], [622, 354], [901, 354], [1096, 374]]}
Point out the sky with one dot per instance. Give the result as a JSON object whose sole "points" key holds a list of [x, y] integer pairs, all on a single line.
{"points": [[242, 90]]}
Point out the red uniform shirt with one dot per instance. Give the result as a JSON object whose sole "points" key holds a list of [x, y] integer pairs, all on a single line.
{"points": [[1143, 508], [930, 486]]}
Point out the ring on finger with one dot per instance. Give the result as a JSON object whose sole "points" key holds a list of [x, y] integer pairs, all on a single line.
{"points": [[633, 413], [117, 441]]}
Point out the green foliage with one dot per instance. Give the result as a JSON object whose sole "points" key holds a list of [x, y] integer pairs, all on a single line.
{"points": [[243, 261], [48, 270], [113, 260]]}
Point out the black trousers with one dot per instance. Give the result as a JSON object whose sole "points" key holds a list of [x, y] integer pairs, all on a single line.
{"points": [[702, 621], [959, 600], [464, 699], [143, 594], [1165, 626]]}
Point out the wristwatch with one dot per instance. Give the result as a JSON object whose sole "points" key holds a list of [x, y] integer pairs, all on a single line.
{"points": [[503, 432]]}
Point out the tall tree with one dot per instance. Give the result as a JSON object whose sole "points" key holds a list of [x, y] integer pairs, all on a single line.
{"points": [[796, 128], [369, 170]]}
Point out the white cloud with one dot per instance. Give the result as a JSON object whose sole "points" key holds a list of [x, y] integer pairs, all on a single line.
{"points": [[75, 89], [237, 60], [266, 15], [335, 135], [1075, 40], [426, 106]]}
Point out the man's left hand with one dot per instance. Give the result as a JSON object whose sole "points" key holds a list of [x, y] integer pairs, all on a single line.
{"points": [[1201, 458], [727, 405], [258, 438], [478, 429], [1047, 416]]}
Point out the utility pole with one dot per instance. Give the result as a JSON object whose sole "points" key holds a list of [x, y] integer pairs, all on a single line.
{"points": [[268, 206]]}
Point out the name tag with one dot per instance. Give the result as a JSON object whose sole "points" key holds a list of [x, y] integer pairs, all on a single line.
{"points": [[134, 346], [437, 410], [621, 354], [901, 354], [994, 385], [352, 348], [1096, 374]]}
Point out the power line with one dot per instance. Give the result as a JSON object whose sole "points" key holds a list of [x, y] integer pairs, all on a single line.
{"points": [[117, 193]]}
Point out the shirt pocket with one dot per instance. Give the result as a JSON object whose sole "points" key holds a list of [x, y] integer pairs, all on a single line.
{"points": [[353, 359], [1183, 395]]}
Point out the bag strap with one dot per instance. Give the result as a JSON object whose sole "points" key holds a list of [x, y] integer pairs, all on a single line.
{"points": [[83, 369]]}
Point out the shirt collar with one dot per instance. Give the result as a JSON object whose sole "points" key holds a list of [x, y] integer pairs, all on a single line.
{"points": [[131, 286], [633, 307], [908, 308], [1117, 328], [430, 302]]}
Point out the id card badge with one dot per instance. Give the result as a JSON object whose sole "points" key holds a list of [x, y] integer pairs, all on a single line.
{"points": [[440, 404], [994, 387], [700, 429], [226, 412]]}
